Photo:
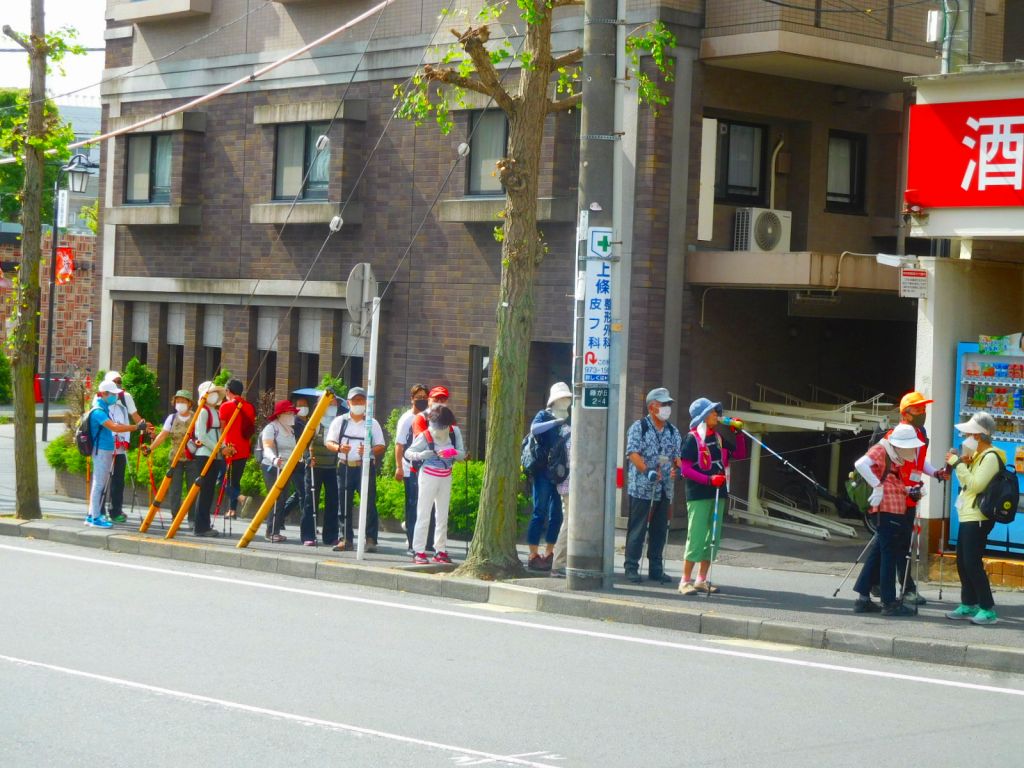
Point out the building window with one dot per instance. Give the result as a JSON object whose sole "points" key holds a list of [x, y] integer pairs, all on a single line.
{"points": [[488, 144], [740, 163], [476, 422], [139, 331], [148, 169], [299, 169], [213, 340], [847, 167]]}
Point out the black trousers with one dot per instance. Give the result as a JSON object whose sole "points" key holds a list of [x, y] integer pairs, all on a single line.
{"points": [[970, 546], [349, 479], [116, 495], [287, 500], [637, 531], [207, 493], [904, 538]]}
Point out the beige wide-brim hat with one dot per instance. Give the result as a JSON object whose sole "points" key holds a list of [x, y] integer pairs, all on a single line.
{"points": [[559, 391]]}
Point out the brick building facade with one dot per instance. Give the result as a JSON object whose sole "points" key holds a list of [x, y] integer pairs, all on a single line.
{"points": [[202, 272]]}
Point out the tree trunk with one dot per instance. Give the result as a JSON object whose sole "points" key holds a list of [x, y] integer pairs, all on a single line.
{"points": [[492, 553], [25, 338]]}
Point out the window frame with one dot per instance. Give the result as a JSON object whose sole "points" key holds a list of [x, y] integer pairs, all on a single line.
{"points": [[475, 115], [152, 198], [722, 169], [309, 137], [857, 204]]}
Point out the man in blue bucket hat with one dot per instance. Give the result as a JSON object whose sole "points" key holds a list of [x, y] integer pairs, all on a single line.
{"points": [[653, 448]]}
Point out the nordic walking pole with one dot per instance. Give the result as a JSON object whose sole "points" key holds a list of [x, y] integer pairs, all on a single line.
{"points": [[855, 564], [135, 481], [193, 492], [220, 496], [466, 499], [942, 533], [286, 471], [714, 534], [165, 484]]}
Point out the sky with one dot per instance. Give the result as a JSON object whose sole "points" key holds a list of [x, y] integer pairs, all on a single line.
{"points": [[82, 71]]}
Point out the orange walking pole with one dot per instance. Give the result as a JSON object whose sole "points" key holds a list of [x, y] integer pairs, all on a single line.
{"points": [[165, 484], [286, 471], [194, 490]]}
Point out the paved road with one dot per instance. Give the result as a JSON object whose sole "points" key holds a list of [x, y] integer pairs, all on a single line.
{"points": [[113, 660]]}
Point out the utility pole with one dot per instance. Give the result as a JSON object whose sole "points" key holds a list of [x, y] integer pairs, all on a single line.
{"points": [[587, 567], [25, 346]]}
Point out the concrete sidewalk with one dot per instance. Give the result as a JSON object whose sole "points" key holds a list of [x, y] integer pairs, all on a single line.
{"points": [[789, 602]]}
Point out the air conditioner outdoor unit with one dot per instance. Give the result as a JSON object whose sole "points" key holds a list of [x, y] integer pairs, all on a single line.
{"points": [[762, 230]]}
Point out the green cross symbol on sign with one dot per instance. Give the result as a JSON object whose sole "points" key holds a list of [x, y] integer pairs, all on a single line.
{"points": [[604, 243]]}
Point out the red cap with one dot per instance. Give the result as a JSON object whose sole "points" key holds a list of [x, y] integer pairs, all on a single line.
{"points": [[438, 392], [283, 406]]}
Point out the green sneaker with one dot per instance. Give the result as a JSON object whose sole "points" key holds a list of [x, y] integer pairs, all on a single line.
{"points": [[119, 519], [984, 617], [963, 613]]}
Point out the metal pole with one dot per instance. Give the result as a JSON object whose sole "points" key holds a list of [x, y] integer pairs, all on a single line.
{"points": [[371, 389], [49, 312], [586, 567]]}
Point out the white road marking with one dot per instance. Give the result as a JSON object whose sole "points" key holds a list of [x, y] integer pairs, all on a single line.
{"points": [[536, 626], [473, 754]]}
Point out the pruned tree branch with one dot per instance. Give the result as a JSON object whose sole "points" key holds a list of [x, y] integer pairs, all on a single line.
{"points": [[569, 59], [474, 42], [450, 76], [17, 38], [564, 105]]}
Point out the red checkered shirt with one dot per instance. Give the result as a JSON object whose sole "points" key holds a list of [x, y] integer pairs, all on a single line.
{"points": [[894, 493]]}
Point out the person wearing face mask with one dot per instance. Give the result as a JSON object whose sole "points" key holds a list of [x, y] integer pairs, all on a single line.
{"points": [[301, 403], [347, 436], [437, 396], [706, 452], [238, 440], [205, 435], [103, 427], [176, 429], [882, 469], [438, 448], [323, 477], [913, 412], [404, 470], [278, 439], [123, 411], [975, 468], [547, 504]]}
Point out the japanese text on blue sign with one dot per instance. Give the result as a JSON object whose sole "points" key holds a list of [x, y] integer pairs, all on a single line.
{"points": [[597, 312]]}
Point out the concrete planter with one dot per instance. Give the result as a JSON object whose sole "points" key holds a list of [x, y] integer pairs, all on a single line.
{"points": [[72, 486]]}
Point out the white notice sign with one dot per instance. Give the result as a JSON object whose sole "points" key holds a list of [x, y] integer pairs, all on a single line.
{"points": [[913, 283], [597, 306]]}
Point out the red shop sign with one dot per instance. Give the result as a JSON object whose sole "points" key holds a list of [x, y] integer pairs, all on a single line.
{"points": [[966, 154]]}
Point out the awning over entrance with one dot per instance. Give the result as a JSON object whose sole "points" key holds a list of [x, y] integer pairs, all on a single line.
{"points": [[798, 270]]}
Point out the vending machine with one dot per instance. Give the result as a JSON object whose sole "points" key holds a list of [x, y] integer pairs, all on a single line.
{"points": [[993, 383]]}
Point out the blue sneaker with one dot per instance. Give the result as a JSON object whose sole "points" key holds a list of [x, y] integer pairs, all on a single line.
{"points": [[102, 522], [88, 520]]}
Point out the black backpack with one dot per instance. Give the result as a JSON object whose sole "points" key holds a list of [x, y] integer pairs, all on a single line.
{"points": [[529, 454], [84, 439], [558, 458], [999, 500]]}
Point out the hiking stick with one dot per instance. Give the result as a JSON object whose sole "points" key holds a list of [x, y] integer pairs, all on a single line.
{"points": [[466, 501], [714, 533], [220, 497], [647, 536], [106, 488], [906, 571], [135, 487], [855, 563], [942, 533]]}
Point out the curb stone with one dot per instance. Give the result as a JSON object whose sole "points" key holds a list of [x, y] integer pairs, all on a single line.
{"points": [[978, 656]]}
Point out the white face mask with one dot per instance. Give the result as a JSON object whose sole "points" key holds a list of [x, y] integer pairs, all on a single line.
{"points": [[664, 412], [213, 398], [561, 407], [303, 411], [332, 412], [287, 419], [358, 410], [181, 408], [969, 445]]}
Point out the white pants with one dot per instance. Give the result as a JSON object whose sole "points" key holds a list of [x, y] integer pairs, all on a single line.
{"points": [[433, 491], [561, 546]]}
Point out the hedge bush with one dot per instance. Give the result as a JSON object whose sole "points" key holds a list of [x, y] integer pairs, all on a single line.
{"points": [[6, 387]]}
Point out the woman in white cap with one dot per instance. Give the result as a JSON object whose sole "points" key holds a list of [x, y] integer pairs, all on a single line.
{"points": [[977, 464], [881, 469], [547, 504], [206, 434]]}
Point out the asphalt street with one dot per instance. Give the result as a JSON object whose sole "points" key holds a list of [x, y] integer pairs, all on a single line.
{"points": [[116, 660]]}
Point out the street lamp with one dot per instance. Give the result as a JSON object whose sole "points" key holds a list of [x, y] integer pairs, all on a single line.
{"points": [[78, 170]]}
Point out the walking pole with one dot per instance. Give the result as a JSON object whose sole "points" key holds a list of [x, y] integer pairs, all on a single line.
{"points": [[466, 501], [106, 487], [220, 497], [714, 534], [165, 484], [906, 570], [942, 534], [135, 486], [855, 563], [647, 534]]}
